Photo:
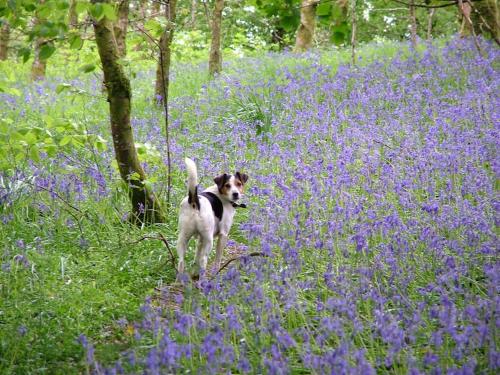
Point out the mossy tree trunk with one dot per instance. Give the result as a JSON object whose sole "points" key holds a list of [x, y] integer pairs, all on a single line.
{"points": [[466, 27], [163, 68], [163, 79], [145, 206], [215, 57], [72, 15], [353, 31], [4, 40], [486, 15], [120, 27], [413, 24], [39, 66], [305, 32]]}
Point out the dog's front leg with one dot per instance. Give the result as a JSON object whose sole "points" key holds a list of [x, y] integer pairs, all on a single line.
{"points": [[221, 244]]}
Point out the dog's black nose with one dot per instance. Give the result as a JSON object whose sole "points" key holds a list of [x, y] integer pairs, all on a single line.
{"points": [[236, 195]]}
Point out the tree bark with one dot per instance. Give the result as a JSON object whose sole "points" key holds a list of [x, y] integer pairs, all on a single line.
{"points": [[215, 57], [145, 206], [120, 27], [413, 24], [163, 79], [486, 15], [430, 14], [163, 68], [72, 15], [465, 10], [39, 66], [466, 26], [353, 31], [305, 32], [193, 13], [4, 40], [155, 6]]}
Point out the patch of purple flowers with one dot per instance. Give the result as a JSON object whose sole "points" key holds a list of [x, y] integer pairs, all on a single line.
{"points": [[373, 197]]}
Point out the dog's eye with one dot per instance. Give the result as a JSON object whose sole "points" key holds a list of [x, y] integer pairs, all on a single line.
{"points": [[238, 184], [228, 185]]}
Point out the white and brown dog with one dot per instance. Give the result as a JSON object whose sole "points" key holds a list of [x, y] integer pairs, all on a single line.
{"points": [[208, 215]]}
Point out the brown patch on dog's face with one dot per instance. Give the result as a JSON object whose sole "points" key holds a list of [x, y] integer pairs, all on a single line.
{"points": [[240, 180], [222, 183]]}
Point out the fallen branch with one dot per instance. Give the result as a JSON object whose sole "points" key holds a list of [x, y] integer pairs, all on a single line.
{"points": [[254, 254]]}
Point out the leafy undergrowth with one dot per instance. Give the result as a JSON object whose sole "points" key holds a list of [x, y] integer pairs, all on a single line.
{"points": [[372, 190]]}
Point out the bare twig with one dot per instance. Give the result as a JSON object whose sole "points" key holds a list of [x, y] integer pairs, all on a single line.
{"points": [[254, 254], [383, 144], [448, 4], [469, 21], [161, 238]]}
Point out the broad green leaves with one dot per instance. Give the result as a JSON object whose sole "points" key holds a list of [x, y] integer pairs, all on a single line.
{"points": [[47, 23], [49, 136], [47, 50]]}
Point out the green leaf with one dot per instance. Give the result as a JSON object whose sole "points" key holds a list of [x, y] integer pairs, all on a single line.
{"points": [[25, 52], [65, 140], [13, 91], [75, 42], [96, 11], [63, 86], [289, 23], [336, 12], [34, 153], [76, 142], [81, 7], [87, 68], [153, 27], [337, 37], [323, 9], [51, 150], [101, 146], [109, 12], [46, 51]]}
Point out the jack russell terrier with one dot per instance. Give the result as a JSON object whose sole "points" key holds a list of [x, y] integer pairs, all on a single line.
{"points": [[208, 215]]}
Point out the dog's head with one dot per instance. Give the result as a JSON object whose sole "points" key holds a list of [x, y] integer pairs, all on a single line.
{"points": [[231, 186]]}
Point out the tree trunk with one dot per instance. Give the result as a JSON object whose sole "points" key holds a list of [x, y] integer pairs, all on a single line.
{"points": [[486, 15], [120, 28], [163, 68], [72, 15], [305, 32], [39, 66], [155, 7], [215, 57], [466, 26], [4, 40], [353, 31], [163, 79], [193, 13], [413, 24], [430, 14], [145, 206], [465, 10]]}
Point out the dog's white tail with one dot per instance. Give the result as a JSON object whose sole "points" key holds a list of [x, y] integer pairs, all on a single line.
{"points": [[192, 177]]}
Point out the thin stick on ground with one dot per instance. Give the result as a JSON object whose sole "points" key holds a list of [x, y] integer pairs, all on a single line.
{"points": [[254, 254]]}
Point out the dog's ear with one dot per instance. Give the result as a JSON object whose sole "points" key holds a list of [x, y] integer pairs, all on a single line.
{"points": [[221, 180], [242, 177]]}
